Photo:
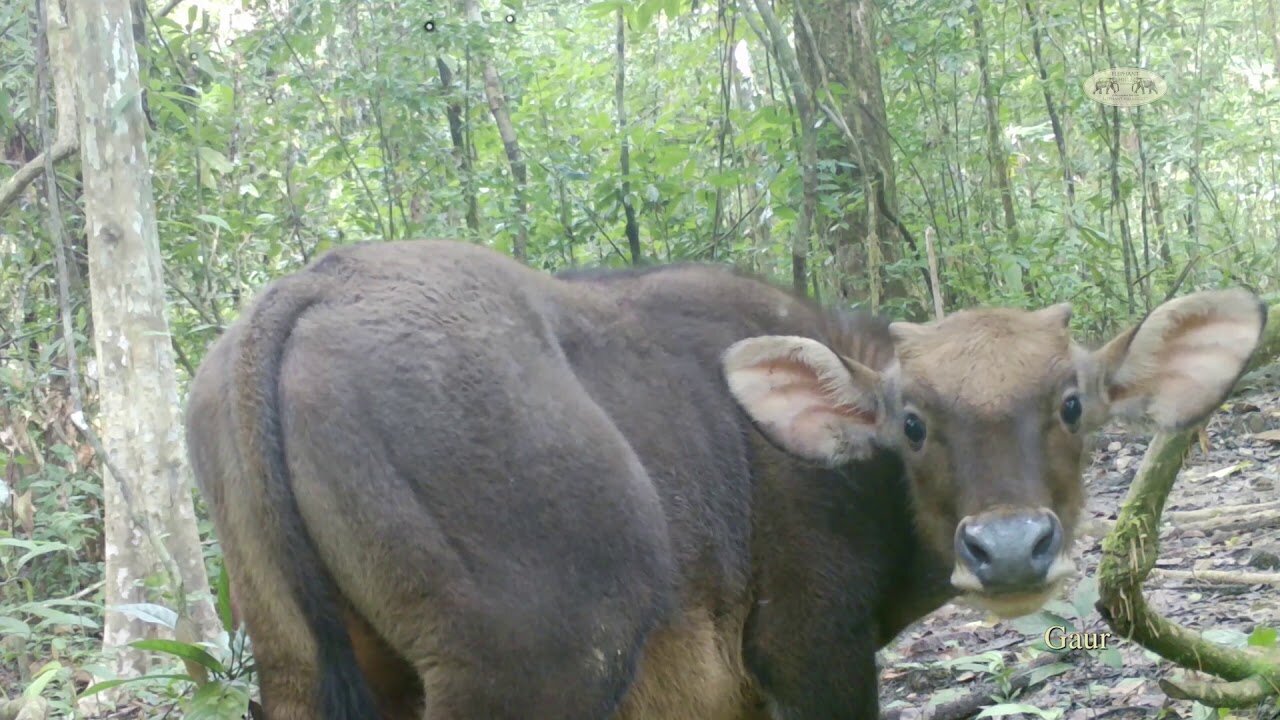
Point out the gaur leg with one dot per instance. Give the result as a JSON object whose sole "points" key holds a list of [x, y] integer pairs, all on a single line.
{"points": [[813, 664]]}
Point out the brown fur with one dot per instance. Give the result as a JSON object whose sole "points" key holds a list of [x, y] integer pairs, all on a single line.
{"points": [[448, 486]]}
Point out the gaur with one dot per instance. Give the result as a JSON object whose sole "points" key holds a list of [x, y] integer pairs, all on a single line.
{"points": [[452, 487]]}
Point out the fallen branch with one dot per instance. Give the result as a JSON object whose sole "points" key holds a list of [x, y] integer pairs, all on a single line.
{"points": [[1251, 519], [1245, 693], [1224, 518], [1222, 577], [1129, 554], [1209, 513], [1128, 557]]}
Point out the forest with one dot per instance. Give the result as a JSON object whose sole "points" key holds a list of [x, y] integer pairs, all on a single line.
{"points": [[162, 160]]}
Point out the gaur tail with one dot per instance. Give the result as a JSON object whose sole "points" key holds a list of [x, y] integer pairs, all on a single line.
{"points": [[343, 692]]}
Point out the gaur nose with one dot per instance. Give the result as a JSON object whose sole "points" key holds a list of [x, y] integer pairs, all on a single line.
{"points": [[1009, 550]]}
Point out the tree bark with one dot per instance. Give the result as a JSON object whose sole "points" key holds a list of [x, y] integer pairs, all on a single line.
{"points": [[836, 44], [619, 90], [1273, 29], [775, 36], [150, 525], [461, 153], [1059, 135], [1119, 208], [995, 143], [510, 142]]}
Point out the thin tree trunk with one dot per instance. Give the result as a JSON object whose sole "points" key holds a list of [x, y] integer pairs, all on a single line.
{"points": [[619, 96], [1197, 140], [1059, 136], [453, 111], [836, 44], [995, 144], [1117, 206], [507, 131], [1157, 215], [725, 47], [1117, 203], [1273, 29], [1142, 162], [774, 34], [150, 525]]}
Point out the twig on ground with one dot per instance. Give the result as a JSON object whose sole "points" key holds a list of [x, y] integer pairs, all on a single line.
{"points": [[1213, 512], [1223, 577]]}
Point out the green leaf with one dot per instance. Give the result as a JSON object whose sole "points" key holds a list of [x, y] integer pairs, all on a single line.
{"points": [[215, 220], [14, 627], [109, 684], [1085, 597], [34, 548], [1112, 658], [182, 650], [215, 160], [224, 599], [148, 613], [123, 104], [218, 701], [1036, 623], [42, 679], [603, 9], [57, 617], [1226, 636], [1044, 672], [1264, 637]]}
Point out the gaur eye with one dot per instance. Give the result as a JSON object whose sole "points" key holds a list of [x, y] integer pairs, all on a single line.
{"points": [[913, 428], [1071, 410]]}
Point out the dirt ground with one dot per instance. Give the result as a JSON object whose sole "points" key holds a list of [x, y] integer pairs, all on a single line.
{"points": [[1241, 467]]}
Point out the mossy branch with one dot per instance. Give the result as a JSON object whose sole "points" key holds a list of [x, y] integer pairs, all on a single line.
{"points": [[1129, 553]]}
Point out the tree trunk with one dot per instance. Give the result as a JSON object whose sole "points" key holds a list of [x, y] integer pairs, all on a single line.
{"points": [[620, 85], [461, 152], [498, 107], [1118, 208], [836, 44], [1059, 135], [775, 37], [150, 522], [995, 143], [1273, 29]]}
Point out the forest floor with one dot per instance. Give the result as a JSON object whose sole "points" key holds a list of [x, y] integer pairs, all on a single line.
{"points": [[958, 649]]}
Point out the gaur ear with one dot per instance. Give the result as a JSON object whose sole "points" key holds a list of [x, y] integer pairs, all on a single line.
{"points": [[1180, 362], [805, 399]]}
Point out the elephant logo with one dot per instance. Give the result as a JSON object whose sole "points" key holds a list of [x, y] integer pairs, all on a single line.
{"points": [[1125, 87]]}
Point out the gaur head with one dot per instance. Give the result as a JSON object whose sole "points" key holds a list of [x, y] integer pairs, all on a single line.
{"points": [[989, 410]]}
